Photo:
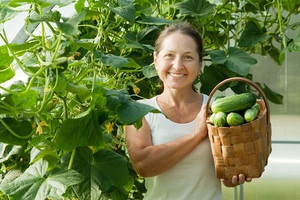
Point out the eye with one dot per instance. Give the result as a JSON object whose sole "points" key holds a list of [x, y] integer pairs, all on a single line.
{"points": [[188, 57], [169, 55]]}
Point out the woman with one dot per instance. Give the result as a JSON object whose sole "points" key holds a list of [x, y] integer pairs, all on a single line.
{"points": [[172, 150]]}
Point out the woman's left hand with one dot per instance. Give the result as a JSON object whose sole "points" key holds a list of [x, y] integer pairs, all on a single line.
{"points": [[236, 180]]}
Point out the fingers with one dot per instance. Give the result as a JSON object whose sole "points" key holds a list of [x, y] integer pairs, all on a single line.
{"points": [[240, 179]]}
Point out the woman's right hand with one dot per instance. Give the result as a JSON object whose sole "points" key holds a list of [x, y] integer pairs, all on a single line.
{"points": [[200, 131]]}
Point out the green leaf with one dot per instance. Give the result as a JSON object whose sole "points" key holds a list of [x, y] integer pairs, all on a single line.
{"points": [[252, 35], [272, 96], [79, 5], [61, 86], [195, 8], [295, 44], [36, 183], [6, 70], [149, 71], [7, 150], [274, 53], [70, 27], [22, 128], [125, 11], [149, 20], [7, 14], [111, 60], [235, 60], [211, 76], [83, 131], [52, 16], [131, 111], [148, 35], [6, 74], [23, 102], [102, 171]]}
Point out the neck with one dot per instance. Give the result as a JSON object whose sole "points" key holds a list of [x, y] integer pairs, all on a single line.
{"points": [[176, 97]]}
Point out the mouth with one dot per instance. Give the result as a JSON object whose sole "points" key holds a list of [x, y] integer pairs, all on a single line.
{"points": [[176, 75]]}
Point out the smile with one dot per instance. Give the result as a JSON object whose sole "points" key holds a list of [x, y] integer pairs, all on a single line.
{"points": [[176, 75]]}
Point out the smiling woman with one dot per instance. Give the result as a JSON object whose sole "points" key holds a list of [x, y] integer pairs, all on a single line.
{"points": [[85, 63], [174, 142]]}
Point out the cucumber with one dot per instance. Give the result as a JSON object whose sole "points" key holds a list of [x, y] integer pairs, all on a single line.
{"points": [[252, 113], [235, 119], [220, 119], [211, 118], [219, 97], [234, 103]]}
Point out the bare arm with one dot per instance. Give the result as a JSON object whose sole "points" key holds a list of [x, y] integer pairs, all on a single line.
{"points": [[149, 160]]}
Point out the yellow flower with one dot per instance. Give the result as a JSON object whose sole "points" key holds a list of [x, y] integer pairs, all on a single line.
{"points": [[109, 127], [39, 129], [136, 90]]}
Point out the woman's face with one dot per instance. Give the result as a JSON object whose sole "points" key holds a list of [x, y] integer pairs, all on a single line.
{"points": [[177, 63]]}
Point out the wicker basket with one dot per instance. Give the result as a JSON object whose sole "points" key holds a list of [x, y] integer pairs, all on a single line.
{"points": [[241, 149]]}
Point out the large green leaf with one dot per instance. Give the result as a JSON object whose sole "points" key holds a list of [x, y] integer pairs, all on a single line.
{"points": [[83, 131], [131, 111], [126, 11], [36, 183], [195, 7], [252, 35], [102, 171], [211, 76], [22, 102], [235, 59], [7, 150]]}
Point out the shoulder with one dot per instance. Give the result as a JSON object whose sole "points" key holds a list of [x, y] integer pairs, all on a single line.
{"points": [[150, 102], [205, 99]]}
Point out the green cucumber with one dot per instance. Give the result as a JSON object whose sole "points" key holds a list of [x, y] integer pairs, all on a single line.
{"points": [[211, 118], [252, 113], [219, 97], [234, 103], [220, 119], [235, 119]]}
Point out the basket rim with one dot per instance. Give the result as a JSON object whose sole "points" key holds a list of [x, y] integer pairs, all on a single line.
{"points": [[245, 80]]}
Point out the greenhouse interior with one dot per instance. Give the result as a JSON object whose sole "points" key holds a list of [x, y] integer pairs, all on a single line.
{"points": [[54, 53]]}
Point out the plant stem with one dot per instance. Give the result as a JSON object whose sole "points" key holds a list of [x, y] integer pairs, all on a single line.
{"points": [[72, 159], [281, 23], [14, 133]]}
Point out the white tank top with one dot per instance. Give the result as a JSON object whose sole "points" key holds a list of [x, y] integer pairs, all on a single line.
{"points": [[193, 178]]}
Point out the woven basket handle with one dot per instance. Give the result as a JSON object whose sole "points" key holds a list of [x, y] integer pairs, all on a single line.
{"points": [[245, 81]]}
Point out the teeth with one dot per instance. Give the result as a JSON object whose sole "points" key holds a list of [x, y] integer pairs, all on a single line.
{"points": [[176, 75]]}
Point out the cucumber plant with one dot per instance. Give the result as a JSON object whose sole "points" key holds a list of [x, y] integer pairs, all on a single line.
{"points": [[64, 123]]}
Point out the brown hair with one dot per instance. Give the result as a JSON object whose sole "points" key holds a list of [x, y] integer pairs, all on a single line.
{"points": [[184, 28]]}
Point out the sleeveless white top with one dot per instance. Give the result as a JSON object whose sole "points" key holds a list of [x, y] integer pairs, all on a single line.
{"points": [[193, 178]]}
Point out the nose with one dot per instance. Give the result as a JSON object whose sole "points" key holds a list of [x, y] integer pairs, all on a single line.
{"points": [[178, 64]]}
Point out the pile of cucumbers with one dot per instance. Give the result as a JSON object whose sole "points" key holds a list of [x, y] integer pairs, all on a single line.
{"points": [[234, 110]]}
